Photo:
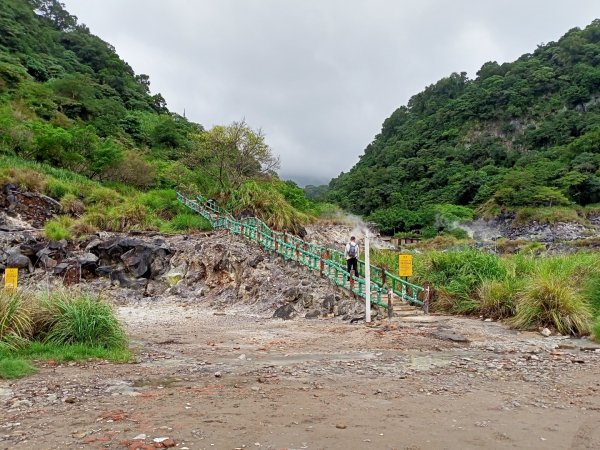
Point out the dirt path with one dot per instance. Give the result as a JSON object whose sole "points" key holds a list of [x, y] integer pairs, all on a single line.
{"points": [[239, 380]]}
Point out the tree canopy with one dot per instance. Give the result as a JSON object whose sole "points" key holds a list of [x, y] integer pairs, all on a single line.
{"points": [[525, 133]]}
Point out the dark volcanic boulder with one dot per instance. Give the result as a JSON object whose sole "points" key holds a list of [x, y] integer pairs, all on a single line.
{"points": [[139, 258], [285, 312], [19, 261]]}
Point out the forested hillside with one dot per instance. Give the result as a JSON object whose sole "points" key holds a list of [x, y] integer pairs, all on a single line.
{"points": [[68, 101], [521, 134]]}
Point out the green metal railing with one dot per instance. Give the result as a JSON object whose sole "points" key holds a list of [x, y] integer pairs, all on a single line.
{"points": [[327, 261]]}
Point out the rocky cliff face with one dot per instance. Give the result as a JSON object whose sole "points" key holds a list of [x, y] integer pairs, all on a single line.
{"points": [[212, 268], [215, 268]]}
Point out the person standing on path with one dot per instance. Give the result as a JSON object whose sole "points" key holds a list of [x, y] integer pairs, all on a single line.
{"points": [[352, 253]]}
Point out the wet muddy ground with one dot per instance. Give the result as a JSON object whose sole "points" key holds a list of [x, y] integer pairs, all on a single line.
{"points": [[206, 380]]}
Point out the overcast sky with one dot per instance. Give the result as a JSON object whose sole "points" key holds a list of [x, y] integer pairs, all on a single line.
{"points": [[319, 77]]}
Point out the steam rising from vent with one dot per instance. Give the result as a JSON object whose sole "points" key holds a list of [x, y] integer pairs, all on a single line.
{"points": [[481, 230], [339, 230], [356, 224]]}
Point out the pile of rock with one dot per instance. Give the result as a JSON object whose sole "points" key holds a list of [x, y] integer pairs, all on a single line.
{"points": [[28, 209]]}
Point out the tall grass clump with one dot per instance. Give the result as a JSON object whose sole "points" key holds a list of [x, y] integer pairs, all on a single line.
{"points": [[57, 189], [549, 300], [82, 319], [16, 325], [101, 196], [59, 325], [70, 204], [457, 275], [265, 202], [497, 298]]}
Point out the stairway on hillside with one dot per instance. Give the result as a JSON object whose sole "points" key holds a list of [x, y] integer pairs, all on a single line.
{"points": [[328, 262], [403, 309]]}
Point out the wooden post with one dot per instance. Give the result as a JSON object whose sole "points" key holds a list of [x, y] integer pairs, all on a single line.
{"points": [[426, 299], [390, 305], [321, 265]]}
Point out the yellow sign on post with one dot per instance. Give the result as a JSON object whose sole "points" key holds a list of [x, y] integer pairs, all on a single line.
{"points": [[405, 264], [11, 279]]}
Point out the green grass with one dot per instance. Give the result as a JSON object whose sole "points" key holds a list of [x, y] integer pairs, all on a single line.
{"points": [[560, 292], [186, 222], [59, 228], [11, 368], [83, 319], [60, 325], [19, 363], [72, 352]]}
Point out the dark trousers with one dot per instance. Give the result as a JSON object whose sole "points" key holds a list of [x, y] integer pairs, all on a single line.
{"points": [[352, 263]]}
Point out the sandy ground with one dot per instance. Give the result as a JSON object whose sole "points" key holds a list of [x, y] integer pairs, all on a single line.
{"points": [[239, 380]]}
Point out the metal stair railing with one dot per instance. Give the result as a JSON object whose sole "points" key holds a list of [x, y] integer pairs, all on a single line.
{"points": [[327, 261]]}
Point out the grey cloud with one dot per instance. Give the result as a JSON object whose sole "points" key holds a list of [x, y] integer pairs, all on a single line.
{"points": [[319, 77]]}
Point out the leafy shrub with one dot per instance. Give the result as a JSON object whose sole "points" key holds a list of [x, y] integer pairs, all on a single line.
{"points": [[458, 233], [269, 205], [59, 228], [133, 170]]}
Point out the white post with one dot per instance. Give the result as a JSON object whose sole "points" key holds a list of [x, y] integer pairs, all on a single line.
{"points": [[367, 280]]}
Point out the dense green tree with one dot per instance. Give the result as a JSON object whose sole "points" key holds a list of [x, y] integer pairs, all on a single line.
{"points": [[524, 133]]}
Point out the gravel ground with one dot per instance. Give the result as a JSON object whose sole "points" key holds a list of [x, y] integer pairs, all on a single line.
{"points": [[239, 379]]}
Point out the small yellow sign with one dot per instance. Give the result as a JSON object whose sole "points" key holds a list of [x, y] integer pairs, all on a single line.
{"points": [[11, 279], [405, 264]]}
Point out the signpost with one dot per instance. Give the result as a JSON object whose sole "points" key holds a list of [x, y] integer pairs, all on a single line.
{"points": [[11, 279], [405, 265]]}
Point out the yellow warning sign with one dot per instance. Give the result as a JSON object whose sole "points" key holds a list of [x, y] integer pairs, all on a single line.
{"points": [[405, 264], [11, 278]]}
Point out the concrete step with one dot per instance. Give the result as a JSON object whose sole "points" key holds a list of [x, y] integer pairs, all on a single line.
{"points": [[416, 312], [404, 305]]}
